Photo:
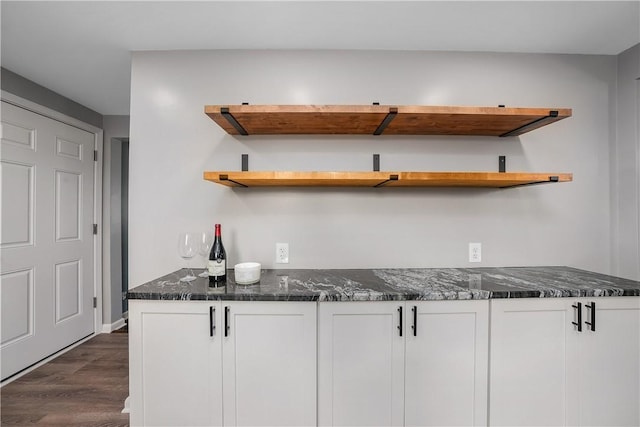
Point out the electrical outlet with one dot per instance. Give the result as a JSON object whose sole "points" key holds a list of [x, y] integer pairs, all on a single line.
{"points": [[475, 252], [282, 253]]}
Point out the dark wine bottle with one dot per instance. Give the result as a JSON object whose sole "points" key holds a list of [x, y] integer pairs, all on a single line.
{"points": [[217, 261]]}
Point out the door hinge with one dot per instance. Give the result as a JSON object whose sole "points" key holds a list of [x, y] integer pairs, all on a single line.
{"points": [[95, 228], [95, 302], [95, 155]]}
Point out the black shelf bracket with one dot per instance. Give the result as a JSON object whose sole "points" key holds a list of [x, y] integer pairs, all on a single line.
{"points": [[376, 162], [551, 180], [385, 182], [245, 163], [225, 177], [232, 120], [393, 112], [532, 125], [502, 164]]}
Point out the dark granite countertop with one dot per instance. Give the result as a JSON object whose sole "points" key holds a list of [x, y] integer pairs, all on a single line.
{"points": [[394, 284]]}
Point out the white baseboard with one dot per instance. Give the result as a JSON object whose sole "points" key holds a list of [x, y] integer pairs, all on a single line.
{"points": [[107, 329]]}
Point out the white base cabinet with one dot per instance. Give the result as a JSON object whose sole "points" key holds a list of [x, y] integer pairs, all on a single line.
{"points": [[389, 363], [547, 372], [217, 363], [175, 364], [394, 363]]}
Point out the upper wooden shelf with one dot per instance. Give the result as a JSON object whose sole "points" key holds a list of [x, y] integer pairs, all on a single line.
{"points": [[380, 119], [383, 179]]}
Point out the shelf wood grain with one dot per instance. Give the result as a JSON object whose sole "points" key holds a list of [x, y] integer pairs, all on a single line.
{"points": [[383, 179], [386, 119]]}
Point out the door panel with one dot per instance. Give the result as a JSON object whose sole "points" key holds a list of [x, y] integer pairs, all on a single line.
{"points": [[610, 363], [47, 172], [176, 363], [17, 204], [18, 135], [532, 377], [68, 289], [269, 360], [69, 149], [446, 363], [68, 193], [360, 364], [17, 304]]}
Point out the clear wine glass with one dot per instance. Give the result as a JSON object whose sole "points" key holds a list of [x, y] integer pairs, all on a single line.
{"points": [[187, 248], [204, 246]]}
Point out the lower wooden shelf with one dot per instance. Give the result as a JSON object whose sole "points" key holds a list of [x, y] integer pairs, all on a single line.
{"points": [[383, 179]]}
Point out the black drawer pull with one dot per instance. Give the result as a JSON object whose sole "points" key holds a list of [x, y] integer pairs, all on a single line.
{"points": [[578, 308], [415, 321], [226, 321], [212, 320], [400, 321], [592, 309]]}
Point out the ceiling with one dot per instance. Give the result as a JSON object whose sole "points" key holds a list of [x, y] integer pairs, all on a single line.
{"points": [[82, 50]]}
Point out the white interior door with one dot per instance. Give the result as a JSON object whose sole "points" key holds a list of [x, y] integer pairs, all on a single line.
{"points": [[46, 286]]}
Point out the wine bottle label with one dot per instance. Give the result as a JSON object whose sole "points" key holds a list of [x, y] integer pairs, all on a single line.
{"points": [[217, 267]]}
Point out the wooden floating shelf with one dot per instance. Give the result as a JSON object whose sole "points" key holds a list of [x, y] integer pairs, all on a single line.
{"points": [[381, 119], [383, 179]]}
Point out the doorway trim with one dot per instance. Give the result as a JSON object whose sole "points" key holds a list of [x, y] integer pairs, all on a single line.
{"points": [[638, 169], [97, 198]]}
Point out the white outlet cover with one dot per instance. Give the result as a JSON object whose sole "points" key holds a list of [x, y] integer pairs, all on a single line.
{"points": [[282, 253], [475, 252]]}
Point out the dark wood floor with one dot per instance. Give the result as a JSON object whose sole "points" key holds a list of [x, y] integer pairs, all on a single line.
{"points": [[84, 387]]}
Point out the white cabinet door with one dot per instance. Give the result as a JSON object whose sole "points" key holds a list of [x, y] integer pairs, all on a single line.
{"points": [[269, 359], [175, 358], [447, 345], [533, 369], [610, 363], [360, 364]]}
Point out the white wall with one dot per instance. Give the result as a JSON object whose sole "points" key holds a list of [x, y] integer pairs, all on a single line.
{"points": [[626, 168], [558, 224]]}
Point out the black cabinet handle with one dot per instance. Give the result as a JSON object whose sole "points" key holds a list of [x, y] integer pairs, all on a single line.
{"points": [[415, 321], [578, 308], [592, 309], [400, 321], [212, 320], [226, 321]]}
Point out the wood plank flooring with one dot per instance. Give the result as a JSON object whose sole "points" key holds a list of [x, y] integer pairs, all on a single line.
{"points": [[85, 387]]}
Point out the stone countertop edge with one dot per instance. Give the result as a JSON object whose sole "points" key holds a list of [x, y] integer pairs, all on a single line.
{"points": [[393, 284]]}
